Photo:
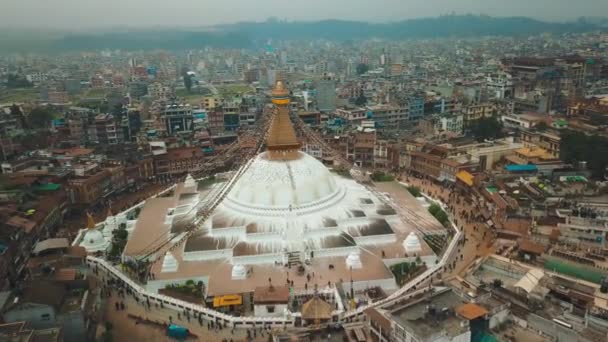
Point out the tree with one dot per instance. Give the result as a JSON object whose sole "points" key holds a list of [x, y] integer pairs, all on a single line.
{"points": [[542, 126], [439, 214], [487, 128], [361, 100], [40, 117], [362, 68], [18, 113], [415, 191], [16, 110], [577, 146], [188, 82], [17, 81]]}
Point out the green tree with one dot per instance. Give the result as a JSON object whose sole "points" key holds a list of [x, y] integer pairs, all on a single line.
{"points": [[16, 110], [361, 100], [487, 128], [577, 146], [439, 214], [362, 68], [542, 126], [40, 117], [415, 191], [17, 81], [188, 82]]}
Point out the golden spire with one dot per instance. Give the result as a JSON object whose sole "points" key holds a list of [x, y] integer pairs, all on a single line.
{"points": [[90, 221], [281, 142]]}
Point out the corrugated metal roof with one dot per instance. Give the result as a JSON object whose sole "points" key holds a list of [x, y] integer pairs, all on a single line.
{"points": [[520, 168]]}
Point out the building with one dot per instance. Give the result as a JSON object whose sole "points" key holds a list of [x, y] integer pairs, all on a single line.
{"points": [[521, 120], [443, 124], [388, 117], [58, 97], [547, 140], [20, 331], [326, 94], [48, 305], [178, 119], [9, 125], [435, 317], [179, 161], [472, 113], [89, 186], [105, 130]]}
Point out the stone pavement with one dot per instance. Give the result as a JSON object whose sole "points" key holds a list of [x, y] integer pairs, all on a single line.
{"points": [[478, 235], [126, 327]]}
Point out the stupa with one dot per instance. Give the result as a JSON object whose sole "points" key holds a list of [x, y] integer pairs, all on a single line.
{"points": [[287, 211], [93, 240]]}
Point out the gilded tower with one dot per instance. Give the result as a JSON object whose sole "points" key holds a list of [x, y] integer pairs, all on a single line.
{"points": [[281, 142]]}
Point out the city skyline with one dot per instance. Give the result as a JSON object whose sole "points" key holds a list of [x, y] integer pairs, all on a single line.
{"points": [[74, 15]]}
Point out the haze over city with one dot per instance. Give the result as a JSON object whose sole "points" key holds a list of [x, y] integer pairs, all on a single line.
{"points": [[80, 15], [313, 170]]}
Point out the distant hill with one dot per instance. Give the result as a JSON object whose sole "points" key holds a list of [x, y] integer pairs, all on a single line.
{"points": [[244, 35], [439, 27]]}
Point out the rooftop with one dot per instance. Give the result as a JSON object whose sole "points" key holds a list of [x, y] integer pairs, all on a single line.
{"points": [[433, 316]]}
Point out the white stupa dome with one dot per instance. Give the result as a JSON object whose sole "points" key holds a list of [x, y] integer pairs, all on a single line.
{"points": [[93, 241], [169, 263], [412, 243], [354, 260], [239, 272], [284, 184]]}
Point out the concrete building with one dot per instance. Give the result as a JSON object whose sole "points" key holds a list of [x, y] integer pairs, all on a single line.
{"points": [[326, 94], [105, 130], [177, 119], [432, 318], [52, 304], [389, 117]]}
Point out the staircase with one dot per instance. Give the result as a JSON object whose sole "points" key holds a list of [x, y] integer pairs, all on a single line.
{"points": [[293, 258]]}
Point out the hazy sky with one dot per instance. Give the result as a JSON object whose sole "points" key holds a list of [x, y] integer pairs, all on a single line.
{"points": [[75, 14]]}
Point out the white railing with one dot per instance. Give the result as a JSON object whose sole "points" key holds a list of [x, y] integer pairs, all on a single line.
{"points": [[403, 293], [176, 304]]}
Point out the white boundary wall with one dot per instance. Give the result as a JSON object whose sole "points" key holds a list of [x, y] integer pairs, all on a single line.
{"points": [[415, 286]]}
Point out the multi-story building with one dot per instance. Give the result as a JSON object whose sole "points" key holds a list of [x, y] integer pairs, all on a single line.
{"points": [[179, 161], [90, 185], [177, 119], [548, 141], [58, 97], [105, 130], [499, 86], [415, 107], [389, 117], [353, 116], [441, 124], [439, 317], [326, 94], [37, 77], [159, 92], [9, 125], [521, 120], [361, 148], [472, 113]]}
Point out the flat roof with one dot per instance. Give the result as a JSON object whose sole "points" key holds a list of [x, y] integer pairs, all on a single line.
{"points": [[419, 319], [471, 311]]}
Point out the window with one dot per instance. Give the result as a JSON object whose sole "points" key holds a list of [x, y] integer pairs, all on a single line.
{"points": [[46, 317], [270, 308]]}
